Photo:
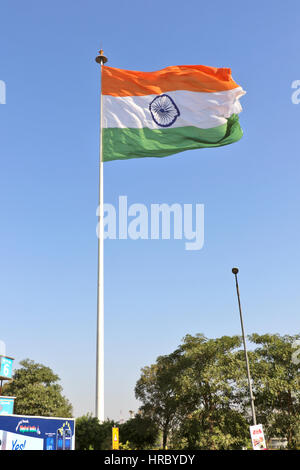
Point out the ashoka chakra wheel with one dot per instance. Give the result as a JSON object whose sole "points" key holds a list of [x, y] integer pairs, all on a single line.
{"points": [[164, 111]]}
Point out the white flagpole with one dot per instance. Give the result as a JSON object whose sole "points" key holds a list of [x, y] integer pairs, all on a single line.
{"points": [[101, 59]]}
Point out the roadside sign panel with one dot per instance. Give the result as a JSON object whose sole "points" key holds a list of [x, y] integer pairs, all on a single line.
{"points": [[20, 432], [6, 367], [115, 438], [7, 405], [257, 437]]}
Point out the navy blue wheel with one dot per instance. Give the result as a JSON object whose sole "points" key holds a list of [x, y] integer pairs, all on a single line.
{"points": [[164, 111]]}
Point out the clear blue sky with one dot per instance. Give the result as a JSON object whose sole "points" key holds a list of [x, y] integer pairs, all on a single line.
{"points": [[155, 291]]}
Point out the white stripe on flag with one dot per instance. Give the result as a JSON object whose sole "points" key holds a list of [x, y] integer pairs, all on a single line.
{"points": [[203, 110]]}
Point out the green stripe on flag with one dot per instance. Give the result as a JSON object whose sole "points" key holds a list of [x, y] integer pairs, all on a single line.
{"points": [[124, 143]]}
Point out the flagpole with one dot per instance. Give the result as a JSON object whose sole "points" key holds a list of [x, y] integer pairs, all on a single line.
{"points": [[100, 59]]}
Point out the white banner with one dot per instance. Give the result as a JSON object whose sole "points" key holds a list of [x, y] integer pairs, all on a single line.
{"points": [[257, 437]]}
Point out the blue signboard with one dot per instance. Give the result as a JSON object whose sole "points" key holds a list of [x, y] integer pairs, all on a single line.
{"points": [[6, 366], [20, 432], [7, 405]]}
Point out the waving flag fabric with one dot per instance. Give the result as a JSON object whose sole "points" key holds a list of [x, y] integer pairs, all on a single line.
{"points": [[156, 114]]}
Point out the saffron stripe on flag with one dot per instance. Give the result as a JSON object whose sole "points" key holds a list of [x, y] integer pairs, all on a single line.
{"points": [[199, 78]]}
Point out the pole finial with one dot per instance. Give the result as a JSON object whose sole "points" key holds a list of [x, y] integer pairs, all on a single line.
{"points": [[101, 59], [235, 270]]}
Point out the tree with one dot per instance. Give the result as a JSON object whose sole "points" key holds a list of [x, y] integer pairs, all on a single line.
{"points": [[140, 432], [87, 433], [199, 396], [106, 434], [276, 386], [159, 390], [194, 394], [212, 381], [225, 430], [93, 435], [37, 391]]}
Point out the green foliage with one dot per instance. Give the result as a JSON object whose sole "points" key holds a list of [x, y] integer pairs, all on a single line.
{"points": [[277, 386], [199, 397], [126, 446], [37, 391], [87, 433], [106, 434], [159, 389], [93, 435], [220, 430], [136, 433], [139, 432]]}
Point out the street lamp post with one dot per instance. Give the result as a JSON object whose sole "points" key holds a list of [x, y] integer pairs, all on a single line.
{"points": [[235, 271]]}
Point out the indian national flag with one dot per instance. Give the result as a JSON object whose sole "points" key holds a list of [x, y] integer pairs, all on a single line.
{"points": [[155, 114]]}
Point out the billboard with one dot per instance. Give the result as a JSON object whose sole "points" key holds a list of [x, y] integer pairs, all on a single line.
{"points": [[20, 432]]}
